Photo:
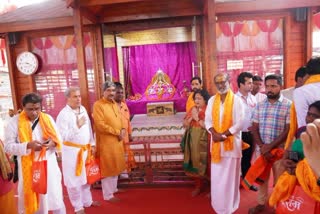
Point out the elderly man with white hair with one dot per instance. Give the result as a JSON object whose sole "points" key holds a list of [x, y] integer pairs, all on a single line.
{"points": [[224, 120]]}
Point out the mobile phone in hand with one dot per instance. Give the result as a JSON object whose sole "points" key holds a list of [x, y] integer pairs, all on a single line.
{"points": [[294, 156], [47, 141]]}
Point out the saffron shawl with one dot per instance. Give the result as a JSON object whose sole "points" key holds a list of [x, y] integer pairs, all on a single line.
{"points": [[31, 202], [222, 126]]}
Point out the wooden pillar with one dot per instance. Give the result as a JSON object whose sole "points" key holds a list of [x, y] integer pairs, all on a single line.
{"points": [[309, 37], [11, 68], [81, 57], [287, 50], [209, 43], [97, 47]]}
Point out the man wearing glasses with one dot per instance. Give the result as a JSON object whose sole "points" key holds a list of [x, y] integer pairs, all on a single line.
{"points": [[26, 134], [224, 120]]}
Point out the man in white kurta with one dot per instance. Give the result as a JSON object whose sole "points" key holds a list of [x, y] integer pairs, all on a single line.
{"points": [[74, 125], [225, 174], [309, 92], [53, 200]]}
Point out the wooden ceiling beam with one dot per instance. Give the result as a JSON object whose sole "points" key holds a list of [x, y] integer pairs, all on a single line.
{"points": [[85, 3], [262, 5], [149, 24], [86, 13], [151, 15], [37, 24]]}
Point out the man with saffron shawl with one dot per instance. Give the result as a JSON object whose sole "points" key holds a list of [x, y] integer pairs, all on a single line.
{"points": [[76, 132], [26, 134], [109, 141], [7, 200], [224, 120], [270, 126], [195, 141]]}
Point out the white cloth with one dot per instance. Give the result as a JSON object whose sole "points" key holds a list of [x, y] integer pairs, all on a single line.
{"points": [[237, 125], [80, 197], [109, 186], [249, 103], [260, 97], [67, 125], [302, 98], [53, 200], [288, 93], [225, 181]]}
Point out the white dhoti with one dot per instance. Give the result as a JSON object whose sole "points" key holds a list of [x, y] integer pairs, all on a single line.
{"points": [[80, 197], [225, 181], [109, 186]]}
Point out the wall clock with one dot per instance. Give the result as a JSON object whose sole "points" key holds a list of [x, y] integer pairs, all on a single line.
{"points": [[27, 63]]}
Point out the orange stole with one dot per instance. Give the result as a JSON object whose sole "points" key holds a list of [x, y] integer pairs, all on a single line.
{"points": [[308, 180], [260, 169], [82, 148], [190, 102], [283, 188], [8, 203], [222, 126], [286, 184], [31, 202]]}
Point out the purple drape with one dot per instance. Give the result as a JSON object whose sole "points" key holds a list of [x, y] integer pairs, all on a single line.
{"points": [[111, 63], [175, 59]]}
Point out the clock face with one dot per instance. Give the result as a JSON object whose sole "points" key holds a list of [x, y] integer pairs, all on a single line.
{"points": [[27, 63]]}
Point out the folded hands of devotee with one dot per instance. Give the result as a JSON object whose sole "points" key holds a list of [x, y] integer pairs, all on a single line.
{"points": [[265, 151], [217, 137], [311, 145]]}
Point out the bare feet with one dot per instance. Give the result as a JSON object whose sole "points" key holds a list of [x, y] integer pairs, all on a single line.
{"points": [[95, 204], [114, 200], [80, 212], [121, 190], [311, 145]]}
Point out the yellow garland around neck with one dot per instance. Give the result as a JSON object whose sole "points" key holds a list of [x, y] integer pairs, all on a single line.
{"points": [[222, 126]]}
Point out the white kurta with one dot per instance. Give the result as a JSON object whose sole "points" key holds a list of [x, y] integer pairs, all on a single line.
{"points": [[302, 98], [225, 175], [260, 97], [67, 125], [53, 200]]}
